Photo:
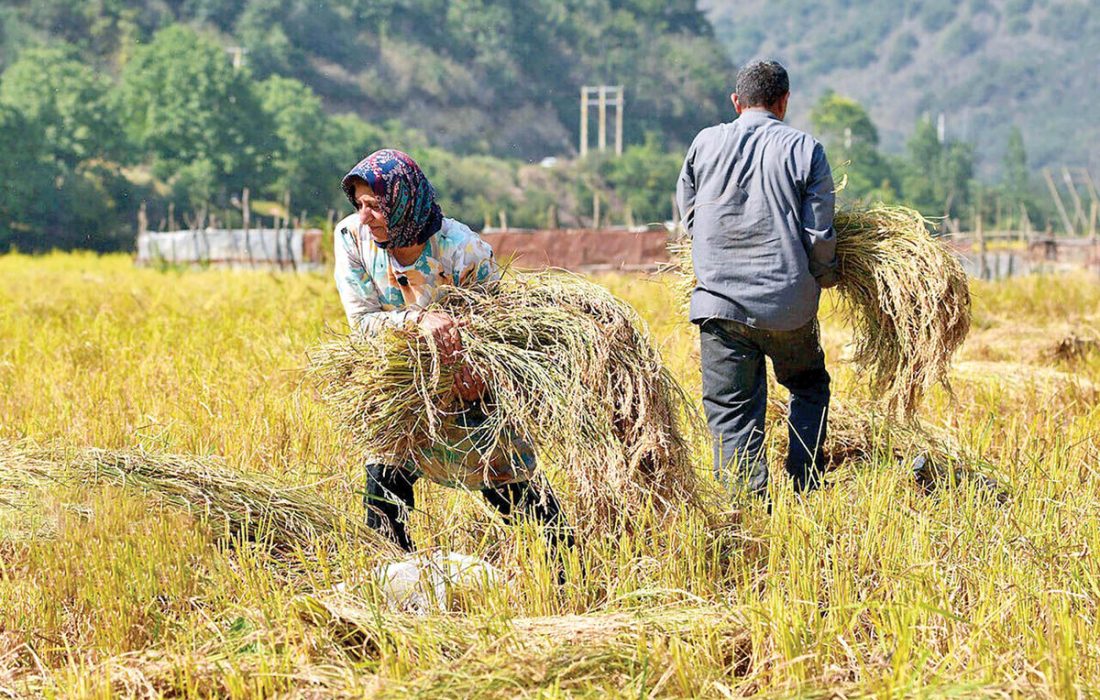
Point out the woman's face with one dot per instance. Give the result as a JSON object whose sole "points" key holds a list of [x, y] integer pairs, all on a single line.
{"points": [[370, 212]]}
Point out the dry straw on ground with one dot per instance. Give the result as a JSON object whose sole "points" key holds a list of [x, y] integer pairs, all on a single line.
{"points": [[494, 655], [252, 507], [570, 370], [905, 294]]}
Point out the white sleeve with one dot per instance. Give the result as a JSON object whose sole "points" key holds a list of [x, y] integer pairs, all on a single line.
{"points": [[358, 295]]}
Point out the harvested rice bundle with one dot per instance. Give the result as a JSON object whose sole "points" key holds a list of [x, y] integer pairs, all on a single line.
{"points": [[907, 296], [254, 507], [361, 628], [904, 292], [570, 371]]}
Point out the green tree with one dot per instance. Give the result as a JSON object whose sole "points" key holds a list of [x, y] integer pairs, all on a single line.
{"points": [[851, 142], [1015, 178], [183, 102], [27, 176], [296, 162], [644, 178], [937, 175], [68, 101]]}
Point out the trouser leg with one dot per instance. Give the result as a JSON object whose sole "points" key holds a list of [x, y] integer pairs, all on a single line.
{"points": [[799, 365], [388, 498], [541, 506], [735, 397]]}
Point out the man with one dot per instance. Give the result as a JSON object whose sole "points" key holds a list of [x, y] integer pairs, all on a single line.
{"points": [[757, 199]]}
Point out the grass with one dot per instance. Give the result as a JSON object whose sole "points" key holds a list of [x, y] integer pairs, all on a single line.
{"points": [[870, 587]]}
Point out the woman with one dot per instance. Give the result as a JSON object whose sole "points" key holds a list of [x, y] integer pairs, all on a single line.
{"points": [[393, 257]]}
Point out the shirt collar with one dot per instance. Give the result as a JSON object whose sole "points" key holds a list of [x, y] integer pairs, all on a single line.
{"points": [[757, 115]]}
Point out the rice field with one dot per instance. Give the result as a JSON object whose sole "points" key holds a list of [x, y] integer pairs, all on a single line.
{"points": [[876, 585]]}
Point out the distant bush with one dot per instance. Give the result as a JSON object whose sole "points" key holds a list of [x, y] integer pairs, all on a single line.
{"points": [[962, 39], [901, 54], [937, 14], [1069, 21]]}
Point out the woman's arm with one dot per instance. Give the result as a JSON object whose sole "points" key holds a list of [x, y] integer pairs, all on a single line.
{"points": [[473, 262], [358, 294]]}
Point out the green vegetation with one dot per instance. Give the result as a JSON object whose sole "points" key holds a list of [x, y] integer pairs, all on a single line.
{"points": [[105, 106], [987, 65]]}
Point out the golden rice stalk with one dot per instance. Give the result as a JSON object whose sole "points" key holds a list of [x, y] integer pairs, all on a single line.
{"points": [[570, 370], [248, 506], [905, 294], [516, 645]]}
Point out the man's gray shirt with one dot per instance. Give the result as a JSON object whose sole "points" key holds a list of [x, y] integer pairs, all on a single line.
{"points": [[757, 199]]}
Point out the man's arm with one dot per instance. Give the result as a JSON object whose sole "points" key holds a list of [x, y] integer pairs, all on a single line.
{"points": [[361, 303], [818, 206], [685, 191]]}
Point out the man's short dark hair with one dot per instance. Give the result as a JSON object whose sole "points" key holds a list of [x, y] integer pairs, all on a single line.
{"points": [[762, 84]]}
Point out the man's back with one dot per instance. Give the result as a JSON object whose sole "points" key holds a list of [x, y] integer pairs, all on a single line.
{"points": [[757, 198]]}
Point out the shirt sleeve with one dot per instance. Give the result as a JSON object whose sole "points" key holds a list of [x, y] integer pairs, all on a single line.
{"points": [[473, 262], [685, 191], [818, 205], [357, 293]]}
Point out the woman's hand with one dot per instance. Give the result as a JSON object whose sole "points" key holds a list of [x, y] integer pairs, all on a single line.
{"points": [[444, 331], [468, 384]]}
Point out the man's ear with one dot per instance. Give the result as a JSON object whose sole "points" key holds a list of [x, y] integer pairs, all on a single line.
{"points": [[783, 105], [736, 103]]}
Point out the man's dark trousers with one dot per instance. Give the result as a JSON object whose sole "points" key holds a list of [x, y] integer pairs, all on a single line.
{"points": [[735, 396]]}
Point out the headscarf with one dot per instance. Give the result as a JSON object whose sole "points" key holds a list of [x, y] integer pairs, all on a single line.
{"points": [[406, 197]]}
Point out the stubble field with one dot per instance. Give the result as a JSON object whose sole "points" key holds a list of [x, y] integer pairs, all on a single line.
{"points": [[871, 586]]}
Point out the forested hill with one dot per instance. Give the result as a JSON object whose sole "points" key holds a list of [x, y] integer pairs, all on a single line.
{"points": [[985, 64], [471, 75]]}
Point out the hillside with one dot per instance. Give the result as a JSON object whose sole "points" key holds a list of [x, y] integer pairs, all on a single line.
{"points": [[985, 64], [471, 75]]}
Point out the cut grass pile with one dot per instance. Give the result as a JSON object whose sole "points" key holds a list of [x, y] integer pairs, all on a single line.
{"points": [[903, 292], [570, 370], [243, 506]]}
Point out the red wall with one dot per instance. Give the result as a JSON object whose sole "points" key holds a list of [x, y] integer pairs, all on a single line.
{"points": [[580, 249]]}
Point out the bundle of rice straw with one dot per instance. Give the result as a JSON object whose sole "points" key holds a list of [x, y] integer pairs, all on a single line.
{"points": [[360, 627], [243, 506], [569, 369], [905, 294]]}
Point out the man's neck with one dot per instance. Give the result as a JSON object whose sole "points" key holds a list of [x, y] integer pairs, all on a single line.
{"points": [[760, 110]]}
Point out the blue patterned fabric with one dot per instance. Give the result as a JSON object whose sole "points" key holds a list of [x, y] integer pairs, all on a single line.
{"points": [[407, 197]]}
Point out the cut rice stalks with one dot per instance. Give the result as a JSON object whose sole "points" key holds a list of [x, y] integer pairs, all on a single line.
{"points": [[570, 371], [243, 506]]}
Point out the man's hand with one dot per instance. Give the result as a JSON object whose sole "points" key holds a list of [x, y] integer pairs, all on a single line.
{"points": [[469, 386], [444, 331]]}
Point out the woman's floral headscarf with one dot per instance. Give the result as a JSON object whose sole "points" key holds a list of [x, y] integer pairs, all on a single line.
{"points": [[406, 196]]}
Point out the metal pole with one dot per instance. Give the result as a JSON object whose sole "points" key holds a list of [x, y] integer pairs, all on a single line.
{"points": [[619, 121], [584, 121], [603, 118]]}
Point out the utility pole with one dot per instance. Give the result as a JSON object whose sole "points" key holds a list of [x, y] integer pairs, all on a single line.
{"points": [[1078, 210], [237, 52], [602, 97], [1058, 201]]}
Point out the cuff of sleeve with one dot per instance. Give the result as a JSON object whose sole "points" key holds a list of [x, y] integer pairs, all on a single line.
{"points": [[827, 278]]}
